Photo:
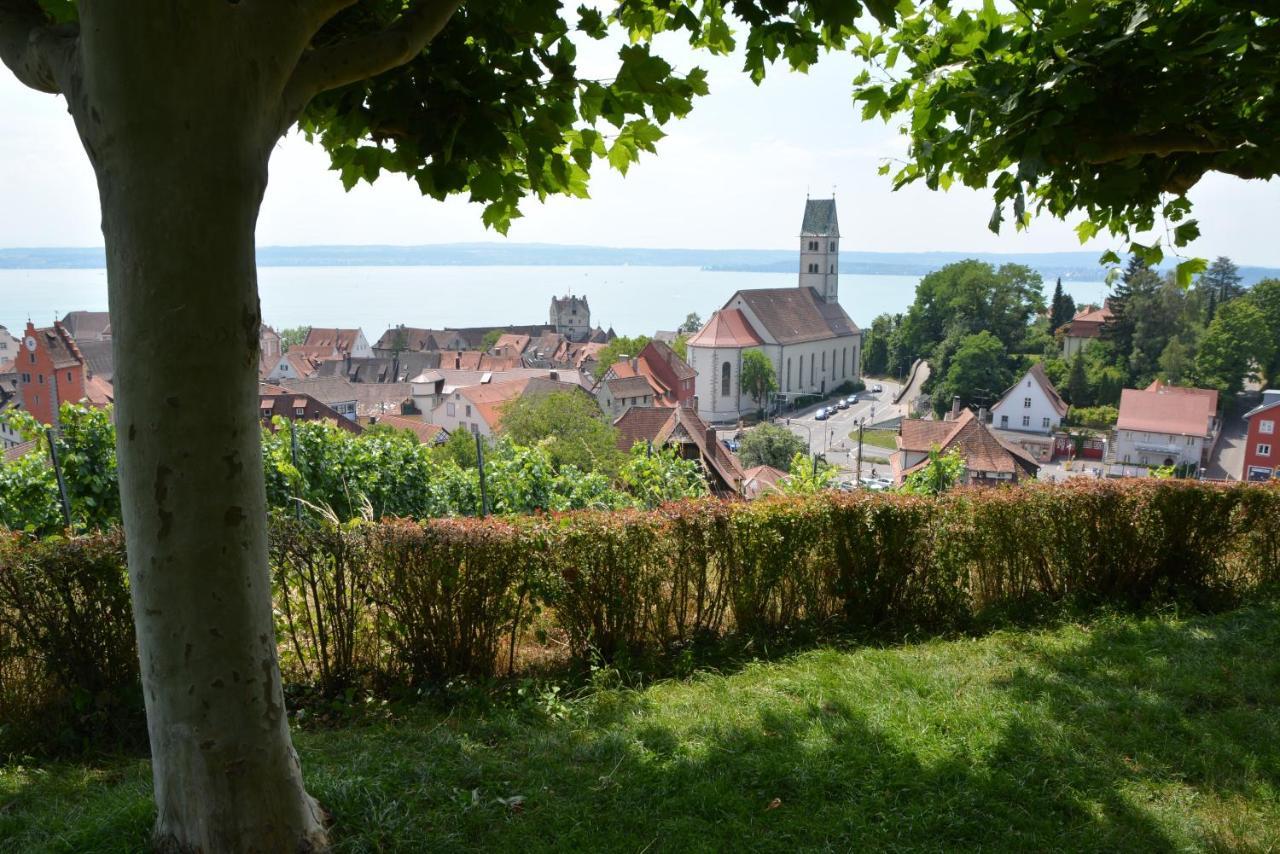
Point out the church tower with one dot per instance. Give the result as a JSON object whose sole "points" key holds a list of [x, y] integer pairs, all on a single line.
{"points": [[820, 248]]}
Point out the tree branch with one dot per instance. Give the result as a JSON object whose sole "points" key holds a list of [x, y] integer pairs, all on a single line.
{"points": [[361, 57], [38, 52], [1158, 145]]}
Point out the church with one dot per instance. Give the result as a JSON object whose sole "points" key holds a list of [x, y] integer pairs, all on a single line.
{"points": [[813, 344]]}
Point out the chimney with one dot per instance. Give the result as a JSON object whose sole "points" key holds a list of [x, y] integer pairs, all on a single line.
{"points": [[346, 363], [635, 363], [457, 362], [554, 376], [955, 408], [711, 442], [395, 367], [984, 416]]}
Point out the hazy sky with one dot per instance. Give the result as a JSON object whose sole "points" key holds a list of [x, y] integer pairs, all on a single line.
{"points": [[732, 175]]}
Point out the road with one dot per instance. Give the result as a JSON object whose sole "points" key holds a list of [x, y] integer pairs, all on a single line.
{"points": [[831, 437], [1227, 462]]}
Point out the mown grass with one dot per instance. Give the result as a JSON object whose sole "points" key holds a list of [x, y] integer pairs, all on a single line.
{"points": [[876, 438], [1124, 733]]}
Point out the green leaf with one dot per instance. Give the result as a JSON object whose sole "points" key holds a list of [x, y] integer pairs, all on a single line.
{"points": [[1189, 268], [1186, 233], [1087, 230]]}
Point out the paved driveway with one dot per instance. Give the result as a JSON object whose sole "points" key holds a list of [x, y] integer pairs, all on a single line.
{"points": [[1228, 458]]}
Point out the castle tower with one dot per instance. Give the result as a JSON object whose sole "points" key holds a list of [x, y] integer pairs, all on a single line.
{"points": [[820, 248], [571, 317]]}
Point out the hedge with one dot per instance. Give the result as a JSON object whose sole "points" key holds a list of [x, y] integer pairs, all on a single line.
{"points": [[383, 606]]}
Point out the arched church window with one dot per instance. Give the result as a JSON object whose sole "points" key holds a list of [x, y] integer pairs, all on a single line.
{"points": [[724, 380]]}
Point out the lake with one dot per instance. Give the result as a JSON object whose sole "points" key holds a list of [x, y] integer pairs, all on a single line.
{"points": [[632, 300]]}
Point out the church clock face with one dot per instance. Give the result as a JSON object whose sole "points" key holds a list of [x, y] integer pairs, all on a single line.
{"points": [[31, 343]]}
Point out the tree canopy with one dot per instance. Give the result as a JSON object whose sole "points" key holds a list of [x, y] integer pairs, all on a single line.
{"points": [[1110, 110], [568, 425], [758, 377], [770, 445]]}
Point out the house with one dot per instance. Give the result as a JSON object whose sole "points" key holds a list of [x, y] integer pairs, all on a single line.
{"points": [[270, 349], [1165, 425], [293, 365], [356, 400], [431, 387], [8, 346], [761, 481], [324, 343], [1084, 328], [52, 371], [85, 326], [804, 332], [1029, 413], [989, 459], [682, 427], [665, 367], [1030, 405], [478, 409], [1262, 447], [9, 401], [398, 368], [618, 394], [276, 402], [571, 317], [426, 432]]}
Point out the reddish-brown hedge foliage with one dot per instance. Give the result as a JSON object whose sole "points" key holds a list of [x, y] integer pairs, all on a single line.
{"points": [[374, 605]]}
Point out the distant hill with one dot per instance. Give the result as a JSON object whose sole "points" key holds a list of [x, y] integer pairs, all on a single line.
{"points": [[1068, 265]]}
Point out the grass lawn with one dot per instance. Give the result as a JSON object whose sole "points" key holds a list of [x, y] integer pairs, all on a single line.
{"points": [[878, 438], [1123, 734]]}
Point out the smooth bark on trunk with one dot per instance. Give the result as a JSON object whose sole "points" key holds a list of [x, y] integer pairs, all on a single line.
{"points": [[178, 121]]}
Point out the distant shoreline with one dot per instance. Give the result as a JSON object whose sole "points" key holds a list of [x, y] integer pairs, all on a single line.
{"points": [[1067, 265]]}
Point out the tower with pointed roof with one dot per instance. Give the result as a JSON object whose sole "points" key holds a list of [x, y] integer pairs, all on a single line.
{"points": [[820, 249]]}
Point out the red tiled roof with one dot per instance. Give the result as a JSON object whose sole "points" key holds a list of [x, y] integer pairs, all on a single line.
{"points": [[983, 450], [1167, 409], [1088, 322], [728, 327], [642, 424], [425, 431], [761, 480]]}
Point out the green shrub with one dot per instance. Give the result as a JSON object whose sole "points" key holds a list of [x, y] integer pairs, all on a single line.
{"points": [[373, 606]]}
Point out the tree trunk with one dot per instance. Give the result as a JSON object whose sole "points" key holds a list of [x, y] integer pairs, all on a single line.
{"points": [[176, 115]]}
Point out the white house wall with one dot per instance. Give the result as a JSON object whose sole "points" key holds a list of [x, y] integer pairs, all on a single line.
{"points": [[1152, 449], [1014, 408], [452, 414]]}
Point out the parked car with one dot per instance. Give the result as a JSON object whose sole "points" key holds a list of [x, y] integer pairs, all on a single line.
{"points": [[842, 403], [853, 399], [821, 415], [877, 388]]}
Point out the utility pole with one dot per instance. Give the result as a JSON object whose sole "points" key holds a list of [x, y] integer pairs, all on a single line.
{"points": [[57, 472], [484, 498], [858, 470], [293, 450]]}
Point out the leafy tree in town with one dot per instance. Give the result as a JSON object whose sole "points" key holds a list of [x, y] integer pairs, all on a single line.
{"points": [[568, 425], [1110, 110], [1176, 361], [657, 475], [758, 377], [875, 346], [978, 372], [490, 339], [459, 448], [293, 336], [1222, 279], [1236, 342], [1078, 392], [620, 347], [1097, 417], [940, 473], [1265, 295], [680, 346], [1061, 307], [770, 445], [692, 323], [808, 475]]}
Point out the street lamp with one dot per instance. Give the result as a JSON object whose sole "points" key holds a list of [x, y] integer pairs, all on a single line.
{"points": [[807, 429]]}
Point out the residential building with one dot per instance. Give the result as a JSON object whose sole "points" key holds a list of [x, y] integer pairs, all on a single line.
{"points": [[275, 402], [571, 317], [431, 387], [989, 459], [399, 368], [761, 481], [1083, 329], [682, 427], [804, 332], [1030, 405], [52, 371], [86, 326], [324, 343], [357, 400], [1262, 445], [293, 365], [478, 409], [426, 432], [270, 347], [9, 346], [9, 401], [618, 394], [1165, 425]]}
